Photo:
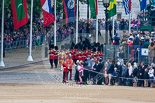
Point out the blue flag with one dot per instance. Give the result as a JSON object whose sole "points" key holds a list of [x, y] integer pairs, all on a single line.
{"points": [[142, 4], [69, 7]]}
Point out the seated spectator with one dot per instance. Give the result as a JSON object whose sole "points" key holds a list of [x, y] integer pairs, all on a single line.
{"points": [[115, 76]]}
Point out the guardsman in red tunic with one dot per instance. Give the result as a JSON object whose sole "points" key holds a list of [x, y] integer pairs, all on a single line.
{"points": [[101, 54], [51, 55], [89, 54], [84, 56], [80, 56], [72, 55], [77, 55], [65, 70], [56, 56], [86, 53]]}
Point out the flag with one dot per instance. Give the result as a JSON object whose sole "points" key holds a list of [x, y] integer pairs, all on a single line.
{"points": [[19, 10], [127, 6], [70, 10], [47, 12], [112, 8], [93, 8], [142, 4], [130, 5]]}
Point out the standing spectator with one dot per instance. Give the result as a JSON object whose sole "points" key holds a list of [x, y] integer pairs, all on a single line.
{"points": [[130, 71], [116, 39], [122, 24], [152, 51], [110, 71], [106, 74], [99, 70], [119, 71], [140, 74], [151, 76], [134, 75], [95, 64], [136, 40], [118, 23], [146, 43], [136, 53], [80, 69], [146, 77], [86, 74], [130, 38], [124, 74], [110, 30], [76, 71], [38, 40]]}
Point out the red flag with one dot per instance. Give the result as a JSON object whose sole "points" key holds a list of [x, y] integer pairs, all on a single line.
{"points": [[129, 5], [96, 7], [47, 12], [19, 10]]}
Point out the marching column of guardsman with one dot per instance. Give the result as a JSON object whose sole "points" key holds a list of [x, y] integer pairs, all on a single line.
{"points": [[80, 54], [87, 53]]}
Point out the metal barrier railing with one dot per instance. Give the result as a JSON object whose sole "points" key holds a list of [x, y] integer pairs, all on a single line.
{"points": [[128, 53]]}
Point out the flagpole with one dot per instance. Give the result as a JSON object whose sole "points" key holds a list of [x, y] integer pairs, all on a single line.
{"points": [[77, 13], [113, 26], [55, 23], [129, 22], [2, 37], [97, 28], [30, 47]]}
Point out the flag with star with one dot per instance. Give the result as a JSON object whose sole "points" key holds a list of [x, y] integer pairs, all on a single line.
{"points": [[20, 14]]}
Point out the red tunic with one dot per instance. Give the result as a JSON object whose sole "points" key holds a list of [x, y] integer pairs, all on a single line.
{"points": [[77, 56], [73, 55], [51, 53], [69, 63], [86, 53], [56, 55], [65, 68], [80, 57], [101, 54]]}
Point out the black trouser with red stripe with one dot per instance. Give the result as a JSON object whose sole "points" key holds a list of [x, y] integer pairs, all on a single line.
{"points": [[70, 70], [64, 76], [51, 62], [56, 62]]}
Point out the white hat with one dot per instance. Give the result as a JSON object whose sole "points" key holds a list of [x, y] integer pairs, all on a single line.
{"points": [[77, 61]]}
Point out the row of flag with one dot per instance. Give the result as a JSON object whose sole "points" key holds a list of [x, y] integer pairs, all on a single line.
{"points": [[20, 13], [112, 7]]}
